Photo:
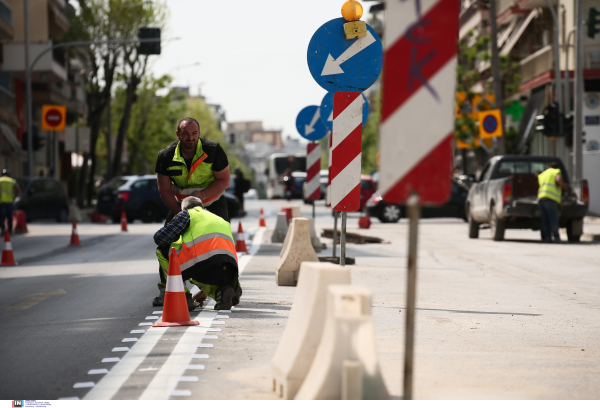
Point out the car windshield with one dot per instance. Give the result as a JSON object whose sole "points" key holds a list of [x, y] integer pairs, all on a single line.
{"points": [[114, 183]]}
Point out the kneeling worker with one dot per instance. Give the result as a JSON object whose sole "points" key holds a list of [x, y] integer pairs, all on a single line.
{"points": [[206, 251]]}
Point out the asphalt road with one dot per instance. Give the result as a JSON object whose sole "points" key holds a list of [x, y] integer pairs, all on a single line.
{"points": [[495, 320]]}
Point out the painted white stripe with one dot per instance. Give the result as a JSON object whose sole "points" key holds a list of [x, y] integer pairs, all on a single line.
{"points": [[203, 356], [210, 337], [213, 329], [181, 393], [137, 331], [96, 371], [117, 349], [111, 360], [129, 340], [151, 317], [84, 385], [145, 324], [158, 311], [205, 345], [8, 246], [313, 157], [220, 316], [75, 231], [313, 185], [401, 128], [195, 367], [174, 284], [345, 181], [68, 398], [347, 121], [188, 378], [224, 311], [400, 15]]}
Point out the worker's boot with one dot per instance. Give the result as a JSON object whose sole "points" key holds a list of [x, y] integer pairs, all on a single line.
{"points": [[160, 299], [190, 302], [238, 294], [224, 298]]}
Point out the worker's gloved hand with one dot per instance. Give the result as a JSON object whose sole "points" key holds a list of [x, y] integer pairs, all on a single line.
{"points": [[200, 297]]}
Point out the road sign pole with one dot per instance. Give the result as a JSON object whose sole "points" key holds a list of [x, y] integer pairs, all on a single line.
{"points": [[313, 206], [343, 240], [335, 218], [411, 289]]}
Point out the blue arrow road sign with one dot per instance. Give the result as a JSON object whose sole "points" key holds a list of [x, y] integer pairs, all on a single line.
{"points": [[344, 65], [309, 124], [326, 110]]}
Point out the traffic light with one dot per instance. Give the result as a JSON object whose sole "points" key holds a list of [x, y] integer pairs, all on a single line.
{"points": [[38, 141], [149, 48], [593, 23], [548, 122]]}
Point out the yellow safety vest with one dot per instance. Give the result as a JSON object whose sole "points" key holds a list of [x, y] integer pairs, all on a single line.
{"points": [[548, 187], [7, 189]]}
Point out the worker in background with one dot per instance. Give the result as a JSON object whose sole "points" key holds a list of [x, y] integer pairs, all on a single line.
{"points": [[206, 249], [549, 197], [191, 166], [241, 186], [9, 190]]}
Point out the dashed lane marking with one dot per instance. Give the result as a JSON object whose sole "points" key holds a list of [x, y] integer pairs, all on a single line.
{"points": [[117, 349], [35, 299], [111, 360], [88, 384], [97, 371], [181, 393]]}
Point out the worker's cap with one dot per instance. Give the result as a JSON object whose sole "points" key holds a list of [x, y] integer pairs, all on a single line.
{"points": [[5, 171]]}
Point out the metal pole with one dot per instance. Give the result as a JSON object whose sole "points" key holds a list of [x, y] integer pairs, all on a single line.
{"points": [[56, 158], [568, 80], [496, 73], [29, 107], [313, 205], [411, 289], [335, 218], [557, 70], [578, 94], [343, 240], [108, 136]]}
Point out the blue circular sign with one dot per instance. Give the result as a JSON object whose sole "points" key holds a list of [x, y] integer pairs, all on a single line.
{"points": [[309, 124], [327, 110], [344, 65], [490, 123]]}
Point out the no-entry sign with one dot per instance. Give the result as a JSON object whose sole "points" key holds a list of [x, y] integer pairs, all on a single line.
{"points": [[54, 117]]}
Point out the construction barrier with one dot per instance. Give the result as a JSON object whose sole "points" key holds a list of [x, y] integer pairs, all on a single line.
{"points": [[296, 211], [74, 235], [240, 242], [123, 222], [298, 249], [281, 228], [8, 258], [300, 340], [19, 222], [314, 239], [261, 219], [288, 214], [346, 364]]}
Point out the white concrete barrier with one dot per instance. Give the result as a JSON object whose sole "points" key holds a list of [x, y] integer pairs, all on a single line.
{"points": [[296, 211], [281, 228], [314, 239], [298, 249], [348, 341], [304, 328]]}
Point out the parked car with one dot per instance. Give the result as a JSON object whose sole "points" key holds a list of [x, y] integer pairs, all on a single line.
{"points": [[299, 180], [367, 189], [505, 196], [42, 197], [454, 207]]}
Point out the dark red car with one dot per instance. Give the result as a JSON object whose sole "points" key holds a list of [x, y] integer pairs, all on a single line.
{"points": [[367, 189]]}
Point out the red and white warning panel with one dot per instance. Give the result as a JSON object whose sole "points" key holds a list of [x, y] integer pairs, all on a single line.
{"points": [[418, 102], [313, 167], [346, 150]]}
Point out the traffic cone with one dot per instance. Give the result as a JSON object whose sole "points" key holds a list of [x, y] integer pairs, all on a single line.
{"points": [[364, 222], [8, 259], [240, 242], [123, 222], [175, 309], [261, 220], [74, 236]]}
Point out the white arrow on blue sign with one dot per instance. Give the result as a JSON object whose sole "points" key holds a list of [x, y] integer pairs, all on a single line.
{"points": [[309, 124], [326, 110], [344, 65]]}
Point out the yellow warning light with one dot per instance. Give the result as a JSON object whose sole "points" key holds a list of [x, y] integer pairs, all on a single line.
{"points": [[352, 10]]}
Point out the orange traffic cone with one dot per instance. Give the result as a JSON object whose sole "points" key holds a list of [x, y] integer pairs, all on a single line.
{"points": [[74, 236], [123, 222], [175, 309], [261, 220], [8, 259], [240, 242]]}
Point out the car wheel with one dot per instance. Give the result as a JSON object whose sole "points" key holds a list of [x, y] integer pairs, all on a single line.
{"points": [[571, 237], [63, 215], [497, 226], [473, 226], [149, 213], [390, 214]]}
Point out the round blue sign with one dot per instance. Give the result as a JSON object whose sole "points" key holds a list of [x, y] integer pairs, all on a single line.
{"points": [[309, 124], [344, 65], [490, 123], [327, 110]]}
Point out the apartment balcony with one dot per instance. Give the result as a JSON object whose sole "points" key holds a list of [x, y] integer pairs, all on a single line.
{"points": [[58, 23], [7, 107], [537, 64], [51, 67], [6, 26]]}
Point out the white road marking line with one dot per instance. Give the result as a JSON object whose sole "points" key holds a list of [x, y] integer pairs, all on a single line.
{"points": [[210, 336], [222, 317], [151, 317], [137, 331], [188, 378], [225, 311], [111, 360], [117, 349], [195, 367], [157, 312], [218, 322], [129, 340], [200, 356], [213, 329], [68, 398], [181, 393], [84, 385], [148, 369], [98, 371], [145, 324], [205, 345]]}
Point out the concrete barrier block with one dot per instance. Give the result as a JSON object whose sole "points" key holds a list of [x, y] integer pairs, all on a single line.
{"points": [[296, 211], [281, 228], [348, 339], [314, 239], [298, 249], [300, 340]]}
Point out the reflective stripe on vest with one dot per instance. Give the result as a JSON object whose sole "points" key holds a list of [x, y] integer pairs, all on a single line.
{"points": [[7, 186], [207, 236], [548, 187]]}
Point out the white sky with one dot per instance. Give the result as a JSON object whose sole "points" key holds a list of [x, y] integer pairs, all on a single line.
{"points": [[252, 55]]}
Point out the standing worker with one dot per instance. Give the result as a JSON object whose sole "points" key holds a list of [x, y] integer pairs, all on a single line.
{"points": [[191, 166], [549, 196], [9, 190], [241, 185]]}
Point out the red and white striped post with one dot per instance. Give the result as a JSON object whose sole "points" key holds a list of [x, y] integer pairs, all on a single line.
{"points": [[417, 121], [346, 152], [313, 167]]}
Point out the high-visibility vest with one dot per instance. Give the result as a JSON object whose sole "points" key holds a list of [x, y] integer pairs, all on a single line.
{"points": [[7, 188], [548, 187], [198, 178]]}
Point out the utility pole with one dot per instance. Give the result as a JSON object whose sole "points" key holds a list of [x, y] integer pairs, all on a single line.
{"points": [[498, 99], [29, 107], [578, 94]]}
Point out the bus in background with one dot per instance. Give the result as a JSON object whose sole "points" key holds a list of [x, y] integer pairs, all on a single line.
{"points": [[278, 164]]}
